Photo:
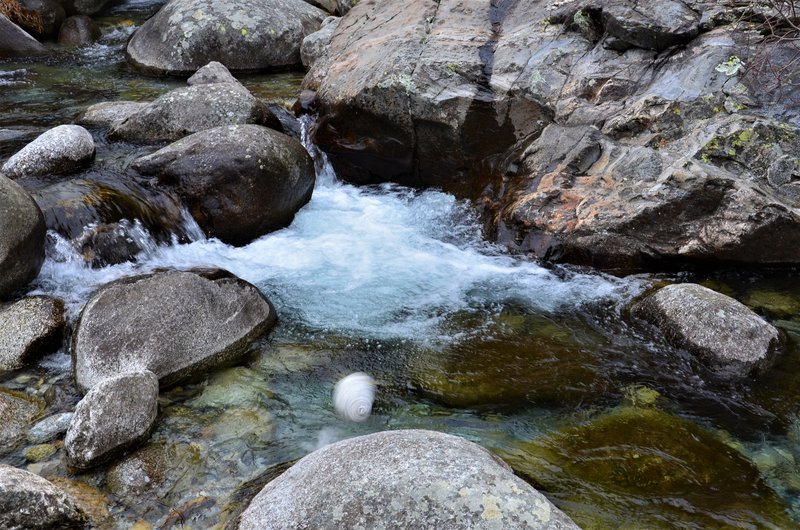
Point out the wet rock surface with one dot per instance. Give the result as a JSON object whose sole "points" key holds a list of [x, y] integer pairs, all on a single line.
{"points": [[22, 238], [49, 428], [63, 149], [723, 331], [30, 329], [28, 501], [239, 182], [243, 35], [393, 479], [16, 42], [213, 318], [17, 411], [115, 415]]}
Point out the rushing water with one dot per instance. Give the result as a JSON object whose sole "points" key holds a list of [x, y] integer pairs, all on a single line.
{"points": [[540, 364]]}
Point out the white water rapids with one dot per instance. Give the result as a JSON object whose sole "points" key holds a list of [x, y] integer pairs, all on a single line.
{"points": [[378, 262]]}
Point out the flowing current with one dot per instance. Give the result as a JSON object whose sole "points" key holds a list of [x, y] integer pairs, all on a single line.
{"points": [[378, 262]]}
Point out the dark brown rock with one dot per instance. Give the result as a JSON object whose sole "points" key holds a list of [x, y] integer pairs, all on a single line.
{"points": [[79, 30]]}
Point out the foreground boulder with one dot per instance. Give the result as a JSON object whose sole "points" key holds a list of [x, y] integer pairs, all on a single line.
{"points": [[239, 182], [639, 467], [242, 34], [15, 42], [28, 501], [114, 416], [22, 238], [29, 329], [62, 149], [185, 111], [175, 324], [724, 332], [401, 479]]}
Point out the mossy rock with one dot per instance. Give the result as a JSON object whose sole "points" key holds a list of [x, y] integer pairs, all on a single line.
{"points": [[773, 303], [521, 360], [644, 468]]}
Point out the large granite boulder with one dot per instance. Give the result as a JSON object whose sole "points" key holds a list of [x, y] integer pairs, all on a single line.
{"points": [[62, 149], [188, 110], [22, 238], [29, 329], [724, 332], [175, 324], [16, 42], [116, 415], [244, 35], [27, 501], [401, 479], [239, 182], [593, 132]]}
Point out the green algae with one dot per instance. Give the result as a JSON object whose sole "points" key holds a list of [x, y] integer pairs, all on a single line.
{"points": [[643, 468]]}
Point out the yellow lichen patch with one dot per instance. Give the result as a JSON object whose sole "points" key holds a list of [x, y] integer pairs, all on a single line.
{"points": [[244, 32], [491, 508]]}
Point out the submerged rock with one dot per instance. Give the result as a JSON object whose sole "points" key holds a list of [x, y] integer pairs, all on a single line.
{"points": [[724, 332], [239, 182], [79, 30], [16, 42], [17, 410], [30, 329], [113, 243], [62, 149], [115, 415], [28, 501], [643, 468], [175, 324], [22, 238], [243, 35], [401, 479], [49, 428], [185, 111]]}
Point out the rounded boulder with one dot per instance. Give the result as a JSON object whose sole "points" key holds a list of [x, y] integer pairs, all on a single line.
{"points": [[22, 238], [401, 479], [244, 35], [239, 182]]}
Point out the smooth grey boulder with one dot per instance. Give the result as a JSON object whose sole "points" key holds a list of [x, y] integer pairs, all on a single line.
{"points": [[116, 415], [110, 113], [16, 42], [22, 238], [185, 111], [239, 182], [316, 44], [213, 72], [175, 324], [244, 35], [17, 410], [79, 30], [29, 502], [30, 329], [49, 428], [724, 332], [401, 479], [62, 149]]}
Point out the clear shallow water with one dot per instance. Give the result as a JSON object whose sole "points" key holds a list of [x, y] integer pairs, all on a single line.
{"points": [[462, 338]]}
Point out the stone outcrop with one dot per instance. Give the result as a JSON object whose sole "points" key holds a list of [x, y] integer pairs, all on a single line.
{"points": [[591, 132], [244, 35], [116, 415], [174, 324], [22, 238], [724, 332], [30, 328], [401, 479], [239, 182]]}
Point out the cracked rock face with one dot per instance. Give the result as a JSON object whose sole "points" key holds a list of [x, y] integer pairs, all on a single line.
{"points": [[401, 479], [244, 35], [175, 324], [114, 416], [239, 182], [62, 149], [724, 332], [28, 501]]}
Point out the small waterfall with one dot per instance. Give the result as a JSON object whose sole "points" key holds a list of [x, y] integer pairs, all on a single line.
{"points": [[322, 166]]}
